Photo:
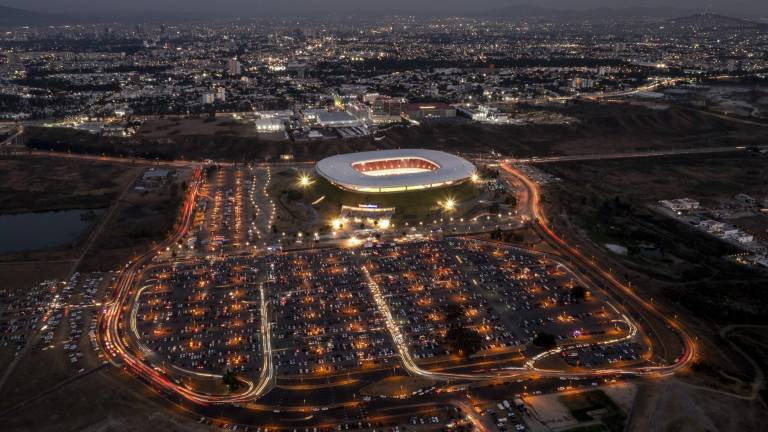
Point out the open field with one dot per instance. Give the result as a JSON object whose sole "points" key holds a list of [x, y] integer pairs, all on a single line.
{"points": [[142, 217], [606, 128], [101, 401], [43, 183], [606, 202], [174, 127], [671, 405]]}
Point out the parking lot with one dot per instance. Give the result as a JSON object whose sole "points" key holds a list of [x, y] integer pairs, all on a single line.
{"points": [[225, 212], [325, 321], [506, 295], [203, 317]]}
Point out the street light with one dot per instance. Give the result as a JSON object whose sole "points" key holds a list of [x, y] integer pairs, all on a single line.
{"points": [[305, 180], [449, 204]]}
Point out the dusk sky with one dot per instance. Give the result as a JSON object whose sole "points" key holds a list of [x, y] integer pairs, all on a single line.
{"points": [[283, 6]]}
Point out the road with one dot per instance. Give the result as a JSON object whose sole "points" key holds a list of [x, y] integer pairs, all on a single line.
{"points": [[87, 247], [631, 155], [12, 139], [619, 289], [533, 208], [116, 344]]}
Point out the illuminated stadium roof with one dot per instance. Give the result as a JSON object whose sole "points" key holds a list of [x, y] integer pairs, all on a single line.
{"points": [[388, 171]]}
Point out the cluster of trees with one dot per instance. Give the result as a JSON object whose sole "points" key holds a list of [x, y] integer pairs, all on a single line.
{"points": [[545, 340], [463, 340], [230, 380], [515, 236]]}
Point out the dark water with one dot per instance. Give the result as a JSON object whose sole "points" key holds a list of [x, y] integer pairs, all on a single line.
{"points": [[31, 231]]}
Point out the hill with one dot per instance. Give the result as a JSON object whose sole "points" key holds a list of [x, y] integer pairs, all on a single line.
{"points": [[711, 20], [14, 16], [530, 11]]}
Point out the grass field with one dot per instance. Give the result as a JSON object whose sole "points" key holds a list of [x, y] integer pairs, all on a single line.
{"points": [[606, 201], [48, 183], [410, 206], [595, 405], [142, 218]]}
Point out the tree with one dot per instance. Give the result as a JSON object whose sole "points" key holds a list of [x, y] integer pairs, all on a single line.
{"points": [[578, 293], [454, 315], [464, 341], [230, 380], [545, 340], [293, 195]]}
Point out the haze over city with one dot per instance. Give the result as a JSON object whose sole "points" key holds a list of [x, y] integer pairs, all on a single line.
{"points": [[408, 216], [301, 7]]}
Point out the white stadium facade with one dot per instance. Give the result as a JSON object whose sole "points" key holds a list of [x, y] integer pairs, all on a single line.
{"points": [[392, 171]]}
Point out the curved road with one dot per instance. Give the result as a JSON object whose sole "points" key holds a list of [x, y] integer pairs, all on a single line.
{"points": [[117, 348]]}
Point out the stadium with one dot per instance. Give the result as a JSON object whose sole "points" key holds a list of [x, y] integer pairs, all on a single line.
{"points": [[394, 171]]}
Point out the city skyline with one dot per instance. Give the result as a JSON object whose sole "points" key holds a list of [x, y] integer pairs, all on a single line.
{"points": [[303, 7], [474, 221]]}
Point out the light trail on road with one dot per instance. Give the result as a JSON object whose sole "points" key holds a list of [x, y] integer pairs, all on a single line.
{"points": [[541, 221], [117, 347], [413, 368]]}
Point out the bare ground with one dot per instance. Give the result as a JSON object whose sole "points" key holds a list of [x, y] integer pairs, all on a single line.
{"points": [[672, 406]]}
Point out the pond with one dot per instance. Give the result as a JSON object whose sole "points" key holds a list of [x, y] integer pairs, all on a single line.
{"points": [[44, 230]]}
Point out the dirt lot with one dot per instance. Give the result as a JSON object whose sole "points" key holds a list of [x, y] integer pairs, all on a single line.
{"points": [[601, 128], [670, 405], [105, 400], [708, 178], [20, 275]]}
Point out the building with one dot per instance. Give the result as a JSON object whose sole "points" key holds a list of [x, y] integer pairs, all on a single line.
{"points": [[420, 111], [336, 119], [483, 114], [745, 199], [298, 69], [221, 94], [156, 174], [234, 67], [680, 205], [387, 110], [280, 114], [267, 125], [580, 83], [388, 171]]}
